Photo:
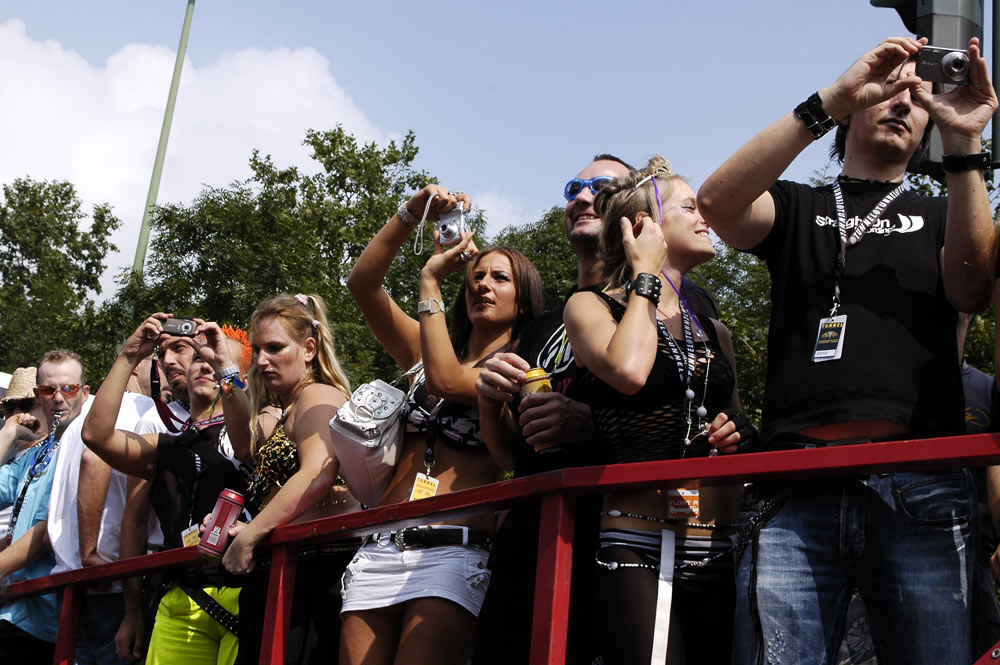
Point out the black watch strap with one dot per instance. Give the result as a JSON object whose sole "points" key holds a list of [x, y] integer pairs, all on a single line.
{"points": [[980, 161], [812, 113]]}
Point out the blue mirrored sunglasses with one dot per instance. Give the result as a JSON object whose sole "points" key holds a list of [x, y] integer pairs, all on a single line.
{"points": [[575, 186]]}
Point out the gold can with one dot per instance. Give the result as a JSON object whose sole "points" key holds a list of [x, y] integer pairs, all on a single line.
{"points": [[536, 380]]}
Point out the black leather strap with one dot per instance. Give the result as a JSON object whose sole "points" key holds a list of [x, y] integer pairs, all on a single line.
{"points": [[425, 536], [815, 117], [226, 619], [954, 163]]}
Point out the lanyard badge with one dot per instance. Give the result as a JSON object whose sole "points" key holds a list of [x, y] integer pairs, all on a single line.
{"points": [[830, 336]]}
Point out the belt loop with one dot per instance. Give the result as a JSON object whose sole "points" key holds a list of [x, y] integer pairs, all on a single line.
{"points": [[465, 535]]}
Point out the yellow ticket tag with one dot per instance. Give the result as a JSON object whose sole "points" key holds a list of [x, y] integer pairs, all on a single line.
{"points": [[424, 487], [683, 503], [190, 535]]}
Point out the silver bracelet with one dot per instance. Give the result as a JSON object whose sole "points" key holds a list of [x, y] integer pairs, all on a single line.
{"points": [[431, 306], [405, 216]]}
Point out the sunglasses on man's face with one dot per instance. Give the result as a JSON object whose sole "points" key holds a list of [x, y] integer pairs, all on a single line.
{"points": [[18, 406], [575, 186], [67, 389]]}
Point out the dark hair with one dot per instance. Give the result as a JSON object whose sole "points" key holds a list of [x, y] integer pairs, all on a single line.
{"points": [[527, 291], [608, 157]]}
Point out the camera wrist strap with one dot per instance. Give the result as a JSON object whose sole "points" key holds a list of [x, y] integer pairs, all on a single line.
{"points": [[418, 241]]}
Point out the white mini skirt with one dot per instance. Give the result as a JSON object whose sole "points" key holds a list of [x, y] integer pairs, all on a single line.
{"points": [[384, 575]]}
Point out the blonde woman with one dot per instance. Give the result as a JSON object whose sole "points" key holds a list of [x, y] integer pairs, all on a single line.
{"points": [[296, 387], [661, 385]]}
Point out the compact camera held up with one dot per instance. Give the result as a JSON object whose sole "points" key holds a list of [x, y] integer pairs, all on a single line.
{"points": [[451, 225], [943, 65]]}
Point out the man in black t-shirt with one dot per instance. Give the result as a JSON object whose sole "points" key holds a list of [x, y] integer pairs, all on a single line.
{"points": [[894, 265]]}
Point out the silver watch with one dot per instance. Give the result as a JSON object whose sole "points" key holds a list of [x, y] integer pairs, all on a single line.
{"points": [[432, 306]]}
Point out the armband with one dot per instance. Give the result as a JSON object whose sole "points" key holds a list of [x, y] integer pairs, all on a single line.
{"points": [[812, 113], [646, 285], [980, 161]]}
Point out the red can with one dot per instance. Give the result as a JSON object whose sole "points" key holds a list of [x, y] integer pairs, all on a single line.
{"points": [[216, 535]]}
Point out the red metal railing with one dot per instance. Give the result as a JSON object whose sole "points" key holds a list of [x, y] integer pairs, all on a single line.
{"points": [[556, 491]]}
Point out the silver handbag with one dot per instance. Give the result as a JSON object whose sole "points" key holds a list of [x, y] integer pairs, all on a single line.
{"points": [[368, 433]]}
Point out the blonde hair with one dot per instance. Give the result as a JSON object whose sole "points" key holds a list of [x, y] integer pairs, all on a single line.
{"points": [[626, 196], [303, 316]]}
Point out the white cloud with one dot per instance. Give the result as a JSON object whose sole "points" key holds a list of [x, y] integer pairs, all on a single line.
{"points": [[502, 211], [97, 126]]}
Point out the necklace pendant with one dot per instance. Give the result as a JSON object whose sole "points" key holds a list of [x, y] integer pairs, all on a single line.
{"points": [[687, 442], [702, 411], [713, 452], [689, 395]]}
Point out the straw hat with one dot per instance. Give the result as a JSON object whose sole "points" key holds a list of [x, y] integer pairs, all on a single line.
{"points": [[22, 381]]}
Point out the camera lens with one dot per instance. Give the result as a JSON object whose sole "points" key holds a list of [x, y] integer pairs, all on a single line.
{"points": [[186, 327], [955, 67]]}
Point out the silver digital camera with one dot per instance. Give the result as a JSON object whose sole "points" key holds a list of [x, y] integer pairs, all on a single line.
{"points": [[451, 225], [943, 65]]}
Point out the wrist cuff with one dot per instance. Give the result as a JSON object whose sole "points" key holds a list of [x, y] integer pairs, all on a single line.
{"points": [[646, 285], [812, 113], [431, 306], [981, 161]]}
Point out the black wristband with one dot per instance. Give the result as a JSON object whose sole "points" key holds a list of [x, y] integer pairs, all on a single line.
{"points": [[812, 113], [980, 161], [646, 285]]}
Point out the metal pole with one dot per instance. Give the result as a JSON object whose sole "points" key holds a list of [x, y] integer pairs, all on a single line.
{"points": [[161, 149]]}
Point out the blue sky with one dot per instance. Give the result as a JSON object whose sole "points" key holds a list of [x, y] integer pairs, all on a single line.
{"points": [[507, 100]]}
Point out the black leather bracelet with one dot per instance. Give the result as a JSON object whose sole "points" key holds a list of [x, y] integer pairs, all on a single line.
{"points": [[812, 113], [954, 163], [646, 285]]}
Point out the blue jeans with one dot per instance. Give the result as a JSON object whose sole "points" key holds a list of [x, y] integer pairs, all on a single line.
{"points": [[907, 541], [100, 616]]}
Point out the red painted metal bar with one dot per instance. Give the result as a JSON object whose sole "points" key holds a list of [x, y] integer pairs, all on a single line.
{"points": [[552, 580], [941, 453], [991, 657], [280, 595], [69, 616]]}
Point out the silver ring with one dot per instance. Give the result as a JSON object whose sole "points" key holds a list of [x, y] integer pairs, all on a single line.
{"points": [[465, 256]]}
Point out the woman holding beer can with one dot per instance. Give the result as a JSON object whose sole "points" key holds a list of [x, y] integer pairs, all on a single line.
{"points": [[661, 385], [296, 387], [413, 595], [196, 617]]}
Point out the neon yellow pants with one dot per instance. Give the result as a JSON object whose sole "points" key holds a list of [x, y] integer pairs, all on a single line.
{"points": [[184, 633]]}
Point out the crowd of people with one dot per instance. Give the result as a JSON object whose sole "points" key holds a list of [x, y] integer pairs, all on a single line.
{"points": [[641, 369]]}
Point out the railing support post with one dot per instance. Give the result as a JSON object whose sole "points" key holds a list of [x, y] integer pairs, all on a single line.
{"points": [[280, 595], [69, 618], [552, 580]]}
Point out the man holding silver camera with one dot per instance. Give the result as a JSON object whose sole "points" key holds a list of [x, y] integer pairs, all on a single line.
{"points": [[896, 266]]}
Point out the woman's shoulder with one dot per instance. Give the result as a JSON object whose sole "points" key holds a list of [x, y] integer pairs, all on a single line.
{"points": [[322, 393]]}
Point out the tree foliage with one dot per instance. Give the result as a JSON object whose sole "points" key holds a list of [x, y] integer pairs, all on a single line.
{"points": [[51, 261], [544, 242]]}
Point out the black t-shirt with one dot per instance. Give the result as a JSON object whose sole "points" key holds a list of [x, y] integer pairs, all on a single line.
{"points": [[899, 354], [190, 475]]}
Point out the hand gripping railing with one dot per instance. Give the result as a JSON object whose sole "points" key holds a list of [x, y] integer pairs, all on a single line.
{"points": [[556, 491]]}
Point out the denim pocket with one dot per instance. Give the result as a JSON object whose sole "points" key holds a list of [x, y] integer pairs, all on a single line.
{"points": [[935, 500]]}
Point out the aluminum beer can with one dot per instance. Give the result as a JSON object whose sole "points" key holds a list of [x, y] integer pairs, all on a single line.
{"points": [[224, 515], [536, 380]]}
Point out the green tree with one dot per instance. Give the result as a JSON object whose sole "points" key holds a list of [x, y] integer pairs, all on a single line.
{"points": [[544, 242], [741, 287], [51, 261], [283, 230]]}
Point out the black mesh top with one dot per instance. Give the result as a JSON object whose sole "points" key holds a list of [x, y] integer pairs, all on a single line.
{"points": [[650, 425]]}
